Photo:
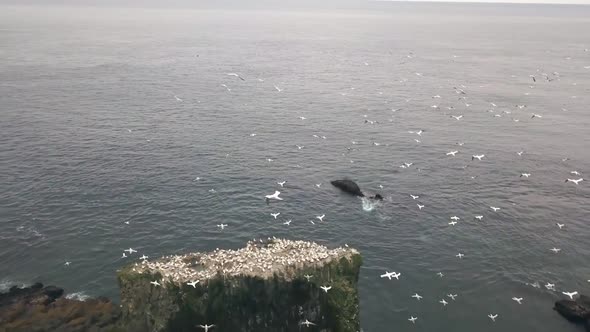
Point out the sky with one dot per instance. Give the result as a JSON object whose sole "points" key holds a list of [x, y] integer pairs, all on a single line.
{"points": [[256, 3]]}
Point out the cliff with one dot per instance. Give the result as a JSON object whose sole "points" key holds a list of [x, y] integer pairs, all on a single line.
{"points": [[268, 286]]}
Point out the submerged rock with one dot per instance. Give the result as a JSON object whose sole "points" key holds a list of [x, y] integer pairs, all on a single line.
{"points": [[576, 311], [272, 285], [39, 308]]}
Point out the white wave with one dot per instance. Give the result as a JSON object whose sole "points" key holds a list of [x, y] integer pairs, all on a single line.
{"points": [[5, 285], [80, 296], [369, 204]]}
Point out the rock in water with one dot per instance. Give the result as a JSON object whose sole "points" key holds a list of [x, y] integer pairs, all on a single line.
{"points": [[348, 186], [576, 311], [263, 287], [38, 308]]}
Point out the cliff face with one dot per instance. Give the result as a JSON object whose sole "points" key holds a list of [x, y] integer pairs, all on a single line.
{"points": [[245, 290]]}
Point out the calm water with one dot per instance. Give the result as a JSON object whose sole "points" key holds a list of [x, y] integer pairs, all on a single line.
{"points": [[92, 136]]}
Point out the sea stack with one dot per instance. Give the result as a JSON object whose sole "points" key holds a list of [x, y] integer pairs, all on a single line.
{"points": [[271, 285]]}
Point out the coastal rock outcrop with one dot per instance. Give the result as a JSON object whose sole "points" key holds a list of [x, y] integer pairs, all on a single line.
{"points": [[575, 311], [269, 286], [37, 308]]}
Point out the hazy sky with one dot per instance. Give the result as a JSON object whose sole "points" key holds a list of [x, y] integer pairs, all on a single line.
{"points": [[256, 3]]}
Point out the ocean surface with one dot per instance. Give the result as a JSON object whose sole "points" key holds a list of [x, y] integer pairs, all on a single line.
{"points": [[119, 127]]}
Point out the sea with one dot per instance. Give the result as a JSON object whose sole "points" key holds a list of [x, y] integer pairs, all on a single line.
{"points": [[121, 128]]}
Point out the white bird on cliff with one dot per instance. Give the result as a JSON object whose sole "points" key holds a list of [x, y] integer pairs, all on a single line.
{"points": [[274, 196], [194, 283], [326, 288]]}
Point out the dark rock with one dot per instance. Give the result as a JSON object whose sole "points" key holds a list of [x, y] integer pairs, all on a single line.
{"points": [[348, 186], [575, 311], [53, 292], [36, 309]]}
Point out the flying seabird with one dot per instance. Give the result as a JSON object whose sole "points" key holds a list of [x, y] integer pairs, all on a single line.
{"points": [[460, 255], [236, 75], [326, 288], [444, 303], [288, 222], [570, 294], [278, 89], [282, 183], [144, 257], [194, 283], [306, 323], [275, 215], [493, 317], [452, 296], [457, 117], [321, 218], [420, 206], [414, 196], [452, 153], [479, 217], [413, 319], [478, 157], [206, 327], [417, 297], [575, 181], [494, 208], [555, 250], [130, 250], [526, 175], [155, 283], [517, 299], [222, 226], [307, 276], [274, 196], [440, 274]]}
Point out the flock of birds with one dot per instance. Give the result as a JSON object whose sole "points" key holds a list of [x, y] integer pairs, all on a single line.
{"points": [[454, 220], [274, 194]]}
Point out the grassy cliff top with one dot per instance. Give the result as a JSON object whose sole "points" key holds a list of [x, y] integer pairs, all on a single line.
{"points": [[262, 259]]}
